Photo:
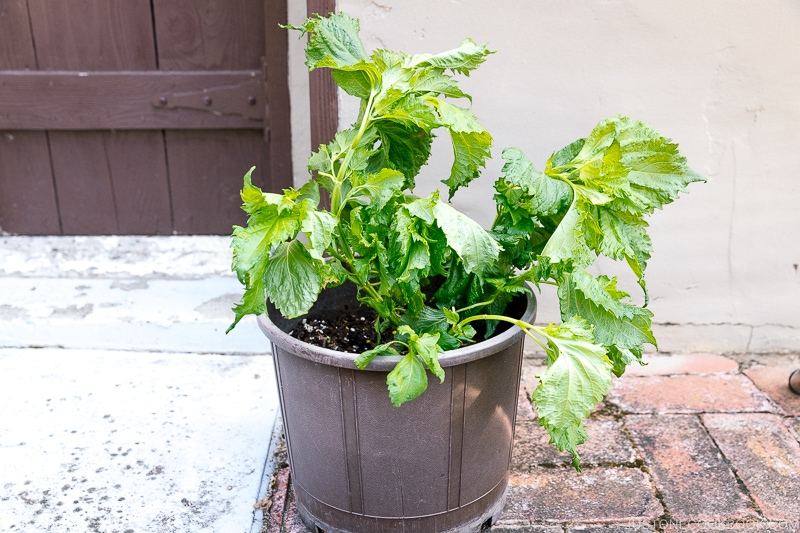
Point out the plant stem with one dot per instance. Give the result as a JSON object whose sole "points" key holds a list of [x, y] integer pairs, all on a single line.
{"points": [[524, 326], [473, 306], [336, 203]]}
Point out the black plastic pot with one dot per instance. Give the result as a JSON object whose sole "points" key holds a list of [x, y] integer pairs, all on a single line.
{"points": [[438, 463]]}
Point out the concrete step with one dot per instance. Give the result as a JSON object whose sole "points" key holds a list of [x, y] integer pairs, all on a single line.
{"points": [[125, 407], [100, 440]]}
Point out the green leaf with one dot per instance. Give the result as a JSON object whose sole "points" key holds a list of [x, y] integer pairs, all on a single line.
{"points": [[358, 80], [577, 378], [463, 59], [319, 227], [473, 244], [456, 118], [333, 41], [434, 81], [382, 186], [543, 195], [470, 152], [427, 347], [568, 242], [409, 110], [292, 279], [597, 300], [267, 226], [422, 208], [451, 316], [366, 358], [253, 302], [403, 148], [407, 380]]}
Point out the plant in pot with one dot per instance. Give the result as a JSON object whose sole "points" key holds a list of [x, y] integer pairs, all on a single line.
{"points": [[441, 294]]}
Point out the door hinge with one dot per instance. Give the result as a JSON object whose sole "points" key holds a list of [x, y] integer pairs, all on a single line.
{"points": [[245, 99]]}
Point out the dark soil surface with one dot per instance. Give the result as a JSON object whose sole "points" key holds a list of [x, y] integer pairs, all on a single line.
{"points": [[352, 333]]}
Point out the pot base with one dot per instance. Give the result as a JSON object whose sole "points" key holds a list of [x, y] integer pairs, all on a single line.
{"points": [[471, 518]]}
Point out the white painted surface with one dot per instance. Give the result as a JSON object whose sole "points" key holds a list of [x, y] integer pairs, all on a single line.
{"points": [[137, 314], [132, 442], [133, 293], [139, 414], [720, 77]]}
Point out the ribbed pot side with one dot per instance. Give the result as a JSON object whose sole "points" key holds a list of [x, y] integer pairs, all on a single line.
{"points": [[437, 463]]}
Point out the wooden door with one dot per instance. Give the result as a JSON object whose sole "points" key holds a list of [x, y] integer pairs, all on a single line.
{"points": [[139, 116]]}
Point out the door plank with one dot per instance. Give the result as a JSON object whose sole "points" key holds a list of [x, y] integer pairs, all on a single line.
{"points": [[27, 197], [93, 35], [16, 45], [206, 177], [83, 182], [322, 90], [277, 130], [209, 34], [141, 193], [92, 177], [206, 167], [71, 100]]}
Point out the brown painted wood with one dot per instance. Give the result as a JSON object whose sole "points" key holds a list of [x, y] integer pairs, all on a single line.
{"points": [[115, 100], [93, 35], [85, 191], [138, 166], [206, 167], [206, 176], [120, 181], [322, 89], [16, 42], [209, 34], [27, 198], [90, 35], [277, 130]]}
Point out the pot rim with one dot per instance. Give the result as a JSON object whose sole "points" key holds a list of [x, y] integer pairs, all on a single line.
{"points": [[459, 356]]}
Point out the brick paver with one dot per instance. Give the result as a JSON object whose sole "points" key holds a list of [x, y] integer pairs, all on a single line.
{"points": [[280, 491], [695, 482], [623, 528], [525, 527], [688, 394], [607, 445], [600, 495], [754, 527], [766, 458], [774, 380], [694, 363], [794, 424]]}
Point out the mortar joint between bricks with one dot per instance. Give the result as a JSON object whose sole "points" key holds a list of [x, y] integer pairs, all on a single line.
{"points": [[739, 481]]}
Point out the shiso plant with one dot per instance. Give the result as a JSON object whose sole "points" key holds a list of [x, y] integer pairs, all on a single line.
{"points": [[429, 271]]}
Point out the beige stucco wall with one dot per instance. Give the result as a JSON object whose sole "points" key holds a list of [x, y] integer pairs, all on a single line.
{"points": [[720, 77]]}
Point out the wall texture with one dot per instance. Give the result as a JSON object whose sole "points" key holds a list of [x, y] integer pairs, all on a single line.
{"points": [[720, 77]]}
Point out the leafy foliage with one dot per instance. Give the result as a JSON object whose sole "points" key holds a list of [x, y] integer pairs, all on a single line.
{"points": [[591, 199]]}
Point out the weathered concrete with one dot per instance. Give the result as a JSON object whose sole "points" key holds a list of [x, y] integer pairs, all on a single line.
{"points": [[137, 313], [96, 440], [124, 406], [116, 257]]}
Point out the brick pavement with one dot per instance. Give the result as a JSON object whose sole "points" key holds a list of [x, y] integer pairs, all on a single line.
{"points": [[697, 442]]}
